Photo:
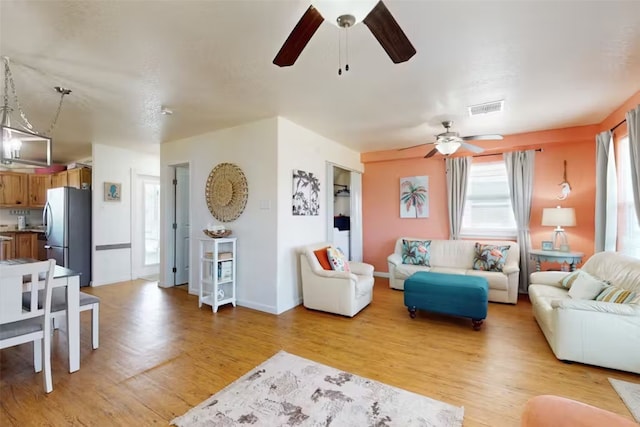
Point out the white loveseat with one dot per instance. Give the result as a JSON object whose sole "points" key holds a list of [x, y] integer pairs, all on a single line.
{"points": [[587, 331], [456, 257], [340, 292]]}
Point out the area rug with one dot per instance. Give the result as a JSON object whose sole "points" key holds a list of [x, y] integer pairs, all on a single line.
{"points": [[630, 395], [288, 390]]}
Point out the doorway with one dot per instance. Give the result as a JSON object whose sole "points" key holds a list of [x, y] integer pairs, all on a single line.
{"points": [[344, 215], [180, 225], [145, 249]]}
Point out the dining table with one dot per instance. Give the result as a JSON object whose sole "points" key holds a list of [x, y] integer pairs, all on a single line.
{"points": [[69, 279]]}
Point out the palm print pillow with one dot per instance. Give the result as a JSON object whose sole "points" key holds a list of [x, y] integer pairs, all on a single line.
{"points": [[416, 252], [490, 257]]}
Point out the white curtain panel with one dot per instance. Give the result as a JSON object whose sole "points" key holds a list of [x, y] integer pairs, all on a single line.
{"points": [[633, 124], [457, 178], [520, 167], [606, 193]]}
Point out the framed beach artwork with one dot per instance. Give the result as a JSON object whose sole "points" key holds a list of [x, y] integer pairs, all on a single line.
{"points": [[306, 193], [414, 197]]}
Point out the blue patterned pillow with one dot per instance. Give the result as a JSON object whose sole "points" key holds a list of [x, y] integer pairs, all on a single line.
{"points": [[490, 257], [416, 252]]}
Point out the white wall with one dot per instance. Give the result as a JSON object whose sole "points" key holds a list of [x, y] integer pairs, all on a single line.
{"points": [[299, 148], [253, 148], [112, 220]]}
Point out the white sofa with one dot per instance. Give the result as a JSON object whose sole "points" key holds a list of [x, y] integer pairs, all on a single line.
{"points": [[340, 292], [587, 331], [456, 257]]}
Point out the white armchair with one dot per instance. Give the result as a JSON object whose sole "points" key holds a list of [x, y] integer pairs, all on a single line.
{"points": [[339, 292]]}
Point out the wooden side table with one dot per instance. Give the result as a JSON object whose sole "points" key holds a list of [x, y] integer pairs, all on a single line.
{"points": [[571, 258]]}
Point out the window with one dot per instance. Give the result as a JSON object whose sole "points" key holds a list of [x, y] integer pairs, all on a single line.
{"points": [[628, 241], [487, 210]]}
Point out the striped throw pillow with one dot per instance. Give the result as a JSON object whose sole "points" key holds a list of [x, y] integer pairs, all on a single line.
{"points": [[568, 280], [617, 295]]}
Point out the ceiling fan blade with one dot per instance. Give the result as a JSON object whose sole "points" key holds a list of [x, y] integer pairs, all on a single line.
{"points": [[472, 147], [389, 34], [431, 153], [414, 146], [482, 137], [299, 37]]}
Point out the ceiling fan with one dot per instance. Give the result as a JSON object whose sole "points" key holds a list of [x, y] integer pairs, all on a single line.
{"points": [[379, 20], [449, 142]]}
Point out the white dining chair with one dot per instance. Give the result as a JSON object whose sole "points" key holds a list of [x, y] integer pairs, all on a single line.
{"points": [[19, 325], [59, 311]]}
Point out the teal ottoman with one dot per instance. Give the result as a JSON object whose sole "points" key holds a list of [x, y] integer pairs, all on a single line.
{"points": [[454, 294]]}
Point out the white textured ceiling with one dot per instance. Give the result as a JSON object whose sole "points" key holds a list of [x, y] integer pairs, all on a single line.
{"points": [[556, 64]]}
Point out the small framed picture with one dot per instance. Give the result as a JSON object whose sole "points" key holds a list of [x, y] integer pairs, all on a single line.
{"points": [[112, 191], [547, 245]]}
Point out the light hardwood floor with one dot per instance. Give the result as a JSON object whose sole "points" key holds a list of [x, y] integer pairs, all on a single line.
{"points": [[160, 355]]}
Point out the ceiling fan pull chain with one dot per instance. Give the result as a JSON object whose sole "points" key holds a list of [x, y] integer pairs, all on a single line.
{"points": [[339, 55], [346, 47]]}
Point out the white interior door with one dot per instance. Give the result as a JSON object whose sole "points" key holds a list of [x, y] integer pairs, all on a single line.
{"points": [[329, 179], [181, 226]]}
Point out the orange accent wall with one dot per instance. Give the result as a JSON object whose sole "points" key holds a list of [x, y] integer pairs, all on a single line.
{"points": [[381, 187]]}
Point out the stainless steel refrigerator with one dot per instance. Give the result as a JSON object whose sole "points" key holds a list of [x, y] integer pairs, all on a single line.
{"points": [[67, 221]]}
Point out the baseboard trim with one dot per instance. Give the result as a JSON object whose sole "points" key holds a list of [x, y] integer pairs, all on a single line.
{"points": [[381, 274]]}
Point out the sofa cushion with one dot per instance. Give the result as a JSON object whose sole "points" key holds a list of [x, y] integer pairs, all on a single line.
{"points": [[585, 286], [489, 257], [323, 258], [448, 270], [496, 281], [337, 259], [403, 271], [617, 295], [416, 252]]}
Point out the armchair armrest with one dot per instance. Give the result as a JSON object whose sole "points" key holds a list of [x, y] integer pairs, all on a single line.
{"points": [[597, 306], [511, 268], [395, 259], [547, 278], [361, 268]]}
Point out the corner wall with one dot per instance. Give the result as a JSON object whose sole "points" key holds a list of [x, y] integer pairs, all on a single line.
{"points": [[299, 148], [111, 221], [253, 148]]}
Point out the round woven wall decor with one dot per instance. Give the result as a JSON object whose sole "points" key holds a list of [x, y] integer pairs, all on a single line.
{"points": [[226, 192]]}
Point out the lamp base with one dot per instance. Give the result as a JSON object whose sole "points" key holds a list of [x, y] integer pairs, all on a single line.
{"points": [[560, 242]]}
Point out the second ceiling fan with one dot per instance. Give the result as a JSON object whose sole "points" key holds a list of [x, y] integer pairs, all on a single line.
{"points": [[379, 21], [449, 142]]}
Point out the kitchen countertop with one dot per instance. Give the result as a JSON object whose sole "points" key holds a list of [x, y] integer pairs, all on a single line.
{"points": [[15, 230]]}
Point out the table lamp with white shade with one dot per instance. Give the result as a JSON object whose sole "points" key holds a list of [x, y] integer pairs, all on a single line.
{"points": [[559, 217]]}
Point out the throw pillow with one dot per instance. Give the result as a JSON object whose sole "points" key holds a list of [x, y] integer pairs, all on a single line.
{"points": [[617, 295], [416, 252], [568, 280], [490, 257], [586, 286], [337, 259], [323, 259]]}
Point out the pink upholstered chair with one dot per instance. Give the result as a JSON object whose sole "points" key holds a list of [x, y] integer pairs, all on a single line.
{"points": [[556, 411]]}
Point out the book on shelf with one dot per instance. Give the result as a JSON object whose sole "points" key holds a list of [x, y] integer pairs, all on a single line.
{"points": [[225, 270], [225, 255]]}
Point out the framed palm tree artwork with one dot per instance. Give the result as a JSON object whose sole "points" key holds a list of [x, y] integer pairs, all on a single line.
{"points": [[414, 197], [306, 193]]}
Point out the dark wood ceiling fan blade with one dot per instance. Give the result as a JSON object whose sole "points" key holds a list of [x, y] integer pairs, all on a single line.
{"points": [[482, 137], [431, 153], [389, 34], [299, 37], [472, 147]]}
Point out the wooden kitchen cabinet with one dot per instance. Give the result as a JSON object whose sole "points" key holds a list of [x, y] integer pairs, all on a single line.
{"points": [[77, 177], [38, 186], [14, 189], [59, 179], [26, 245], [7, 247]]}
